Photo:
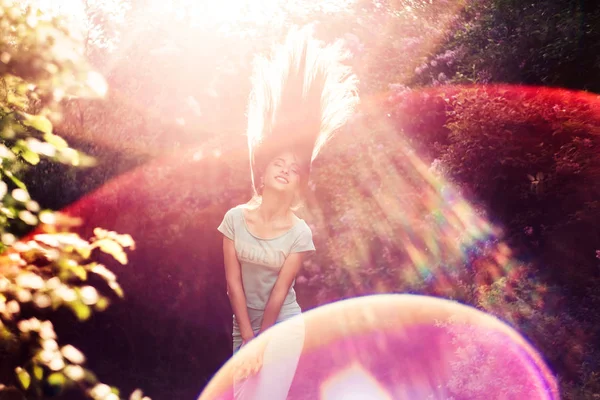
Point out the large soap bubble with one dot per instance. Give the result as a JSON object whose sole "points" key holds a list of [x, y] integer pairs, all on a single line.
{"points": [[395, 347]]}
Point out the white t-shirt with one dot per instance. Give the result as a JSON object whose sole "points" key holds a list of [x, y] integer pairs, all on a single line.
{"points": [[262, 259]]}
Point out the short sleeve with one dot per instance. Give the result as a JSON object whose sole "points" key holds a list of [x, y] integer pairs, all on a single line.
{"points": [[304, 241], [227, 226]]}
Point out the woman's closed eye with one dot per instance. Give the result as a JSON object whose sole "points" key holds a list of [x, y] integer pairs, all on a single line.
{"points": [[293, 168]]}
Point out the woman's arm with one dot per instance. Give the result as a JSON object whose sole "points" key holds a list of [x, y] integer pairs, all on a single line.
{"points": [[286, 277], [235, 289]]}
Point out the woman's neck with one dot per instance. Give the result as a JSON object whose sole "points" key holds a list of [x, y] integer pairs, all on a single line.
{"points": [[273, 207]]}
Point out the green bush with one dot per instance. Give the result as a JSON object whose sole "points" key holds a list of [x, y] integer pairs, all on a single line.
{"points": [[41, 63]]}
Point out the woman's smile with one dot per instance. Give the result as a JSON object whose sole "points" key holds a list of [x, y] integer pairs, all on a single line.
{"points": [[282, 179]]}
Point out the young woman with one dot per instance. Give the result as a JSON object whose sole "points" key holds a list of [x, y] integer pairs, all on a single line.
{"points": [[300, 96]]}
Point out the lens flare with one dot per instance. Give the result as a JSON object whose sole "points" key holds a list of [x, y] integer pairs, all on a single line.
{"points": [[353, 383], [404, 347], [383, 219]]}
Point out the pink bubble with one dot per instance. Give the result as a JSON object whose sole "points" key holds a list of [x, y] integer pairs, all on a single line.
{"points": [[401, 347]]}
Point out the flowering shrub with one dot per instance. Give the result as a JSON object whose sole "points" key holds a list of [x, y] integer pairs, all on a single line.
{"points": [[495, 41], [41, 63], [523, 154], [46, 273], [388, 221]]}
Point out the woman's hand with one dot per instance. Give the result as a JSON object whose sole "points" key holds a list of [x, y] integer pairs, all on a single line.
{"points": [[257, 356], [253, 362], [246, 339]]}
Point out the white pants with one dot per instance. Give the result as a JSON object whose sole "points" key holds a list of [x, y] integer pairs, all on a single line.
{"points": [[280, 359]]}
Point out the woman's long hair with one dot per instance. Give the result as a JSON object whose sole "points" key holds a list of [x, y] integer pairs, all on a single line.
{"points": [[300, 97]]}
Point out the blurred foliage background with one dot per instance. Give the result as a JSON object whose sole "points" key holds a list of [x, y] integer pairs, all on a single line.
{"points": [[470, 172]]}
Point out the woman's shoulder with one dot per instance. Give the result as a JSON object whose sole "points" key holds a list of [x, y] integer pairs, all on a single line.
{"points": [[245, 208], [303, 240], [302, 225], [234, 211]]}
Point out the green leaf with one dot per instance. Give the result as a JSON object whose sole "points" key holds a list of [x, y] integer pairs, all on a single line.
{"points": [[70, 156], [55, 140], [57, 379], [90, 377], [116, 288], [87, 161], [7, 130], [84, 252], [5, 334], [23, 377], [113, 248], [30, 156], [38, 372], [23, 88], [136, 395], [18, 101], [102, 304], [80, 272], [39, 122], [82, 311]]}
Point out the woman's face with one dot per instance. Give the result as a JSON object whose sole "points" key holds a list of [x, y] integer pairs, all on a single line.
{"points": [[283, 173]]}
